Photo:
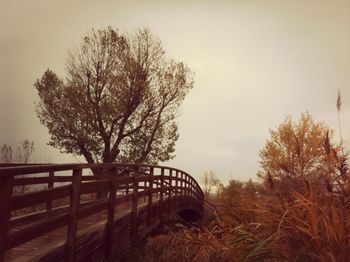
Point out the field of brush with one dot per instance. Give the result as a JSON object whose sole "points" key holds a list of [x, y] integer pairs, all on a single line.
{"points": [[287, 219]]}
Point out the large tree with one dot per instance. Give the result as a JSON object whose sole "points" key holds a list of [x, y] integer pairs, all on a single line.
{"points": [[299, 150], [118, 101]]}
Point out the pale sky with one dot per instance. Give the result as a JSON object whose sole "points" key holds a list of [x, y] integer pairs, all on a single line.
{"points": [[255, 62]]}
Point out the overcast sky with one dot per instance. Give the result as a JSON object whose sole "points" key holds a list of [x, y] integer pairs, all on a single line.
{"points": [[255, 62]]}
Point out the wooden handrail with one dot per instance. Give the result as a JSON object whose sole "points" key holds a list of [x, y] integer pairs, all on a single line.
{"points": [[117, 184]]}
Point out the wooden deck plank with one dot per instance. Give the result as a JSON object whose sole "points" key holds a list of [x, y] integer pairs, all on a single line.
{"points": [[47, 243]]}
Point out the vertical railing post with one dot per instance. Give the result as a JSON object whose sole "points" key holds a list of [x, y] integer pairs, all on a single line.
{"points": [[145, 198], [192, 195], [133, 222], [194, 192], [150, 196], [187, 188], [170, 188], [73, 215], [161, 194], [193, 189], [49, 186], [127, 185], [176, 190], [182, 190], [110, 218], [5, 201]]}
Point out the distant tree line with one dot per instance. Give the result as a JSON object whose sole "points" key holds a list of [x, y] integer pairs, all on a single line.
{"points": [[17, 154]]}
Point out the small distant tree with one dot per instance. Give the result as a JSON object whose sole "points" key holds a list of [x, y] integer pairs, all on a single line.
{"points": [[232, 192], [6, 154], [239, 200], [298, 150], [209, 180], [23, 154], [250, 188], [24, 151], [219, 188]]}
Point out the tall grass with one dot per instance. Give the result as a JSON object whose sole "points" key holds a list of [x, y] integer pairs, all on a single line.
{"points": [[299, 219]]}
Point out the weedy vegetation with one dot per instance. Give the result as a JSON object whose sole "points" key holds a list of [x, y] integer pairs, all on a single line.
{"points": [[299, 210]]}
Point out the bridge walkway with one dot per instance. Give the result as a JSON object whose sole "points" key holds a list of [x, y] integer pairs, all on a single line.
{"points": [[78, 216]]}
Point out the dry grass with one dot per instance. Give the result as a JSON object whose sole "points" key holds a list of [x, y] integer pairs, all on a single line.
{"points": [[312, 226], [284, 220]]}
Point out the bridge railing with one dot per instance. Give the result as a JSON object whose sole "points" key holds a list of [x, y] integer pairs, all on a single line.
{"points": [[47, 197]]}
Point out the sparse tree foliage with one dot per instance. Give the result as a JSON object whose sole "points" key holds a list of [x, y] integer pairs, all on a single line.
{"points": [[6, 154], [298, 150], [119, 99], [24, 151], [22, 155], [219, 188], [209, 180]]}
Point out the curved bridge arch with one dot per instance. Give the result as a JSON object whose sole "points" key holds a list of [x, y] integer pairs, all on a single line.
{"points": [[69, 223]]}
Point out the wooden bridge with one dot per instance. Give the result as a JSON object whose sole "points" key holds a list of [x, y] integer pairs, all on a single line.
{"points": [[65, 213]]}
